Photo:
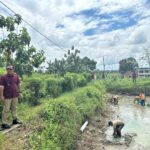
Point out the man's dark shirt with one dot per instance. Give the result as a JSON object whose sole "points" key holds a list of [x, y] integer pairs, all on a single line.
{"points": [[10, 83]]}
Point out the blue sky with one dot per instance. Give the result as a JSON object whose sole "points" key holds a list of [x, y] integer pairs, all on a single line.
{"points": [[95, 14], [116, 29]]}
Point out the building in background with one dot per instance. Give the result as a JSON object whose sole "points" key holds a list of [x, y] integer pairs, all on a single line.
{"points": [[144, 72]]}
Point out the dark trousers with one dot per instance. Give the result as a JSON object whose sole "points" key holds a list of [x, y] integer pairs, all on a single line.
{"points": [[134, 80], [118, 129], [142, 102], [115, 101]]}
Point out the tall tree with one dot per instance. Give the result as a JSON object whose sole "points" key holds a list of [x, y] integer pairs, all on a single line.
{"points": [[128, 64], [16, 49], [71, 63], [88, 64]]}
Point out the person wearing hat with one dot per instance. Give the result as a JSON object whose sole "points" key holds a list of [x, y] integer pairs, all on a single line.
{"points": [[117, 126], [10, 89]]}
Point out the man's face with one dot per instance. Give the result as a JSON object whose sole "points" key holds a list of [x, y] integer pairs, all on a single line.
{"points": [[9, 71]]}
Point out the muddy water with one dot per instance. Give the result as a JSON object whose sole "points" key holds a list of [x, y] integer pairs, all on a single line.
{"points": [[137, 120]]}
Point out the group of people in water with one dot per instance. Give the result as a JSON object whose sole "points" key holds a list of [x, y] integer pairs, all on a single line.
{"points": [[119, 124], [140, 100]]}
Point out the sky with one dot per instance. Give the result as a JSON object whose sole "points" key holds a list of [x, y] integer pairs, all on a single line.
{"points": [[115, 29]]}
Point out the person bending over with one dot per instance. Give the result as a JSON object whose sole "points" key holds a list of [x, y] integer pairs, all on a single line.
{"points": [[117, 126]]}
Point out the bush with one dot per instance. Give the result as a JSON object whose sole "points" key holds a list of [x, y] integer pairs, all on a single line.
{"points": [[72, 80], [126, 86], [2, 71], [45, 85], [32, 90], [69, 82], [81, 81], [54, 86], [64, 116], [87, 76], [26, 94]]}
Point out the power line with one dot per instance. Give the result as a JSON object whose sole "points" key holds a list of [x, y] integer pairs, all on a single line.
{"points": [[34, 28], [6, 11]]}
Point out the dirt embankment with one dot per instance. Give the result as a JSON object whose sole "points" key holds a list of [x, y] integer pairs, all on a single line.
{"points": [[94, 133]]}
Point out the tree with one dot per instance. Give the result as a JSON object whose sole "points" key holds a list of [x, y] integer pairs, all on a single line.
{"points": [[72, 60], [128, 64], [88, 64], [57, 67], [71, 63], [16, 49]]}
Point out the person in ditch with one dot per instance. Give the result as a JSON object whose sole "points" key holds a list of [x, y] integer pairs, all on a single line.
{"points": [[117, 127], [137, 100], [142, 98], [10, 89], [114, 100]]}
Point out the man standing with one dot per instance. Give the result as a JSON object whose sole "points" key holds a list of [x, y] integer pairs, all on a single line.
{"points": [[10, 89], [134, 75], [117, 126]]}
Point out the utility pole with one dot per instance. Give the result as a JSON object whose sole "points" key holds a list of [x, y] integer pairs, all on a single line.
{"points": [[147, 55], [103, 68]]}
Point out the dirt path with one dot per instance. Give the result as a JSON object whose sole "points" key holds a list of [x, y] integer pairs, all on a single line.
{"points": [[95, 136]]}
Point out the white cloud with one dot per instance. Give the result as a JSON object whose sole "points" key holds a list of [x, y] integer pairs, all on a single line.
{"points": [[110, 6], [45, 15]]}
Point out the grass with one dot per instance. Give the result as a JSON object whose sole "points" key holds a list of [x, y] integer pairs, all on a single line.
{"points": [[30, 117], [126, 86], [64, 116], [26, 112], [59, 118]]}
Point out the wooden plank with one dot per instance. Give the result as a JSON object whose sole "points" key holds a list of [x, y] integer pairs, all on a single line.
{"points": [[10, 129]]}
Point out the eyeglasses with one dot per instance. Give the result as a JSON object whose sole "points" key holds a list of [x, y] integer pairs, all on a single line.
{"points": [[9, 69]]}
